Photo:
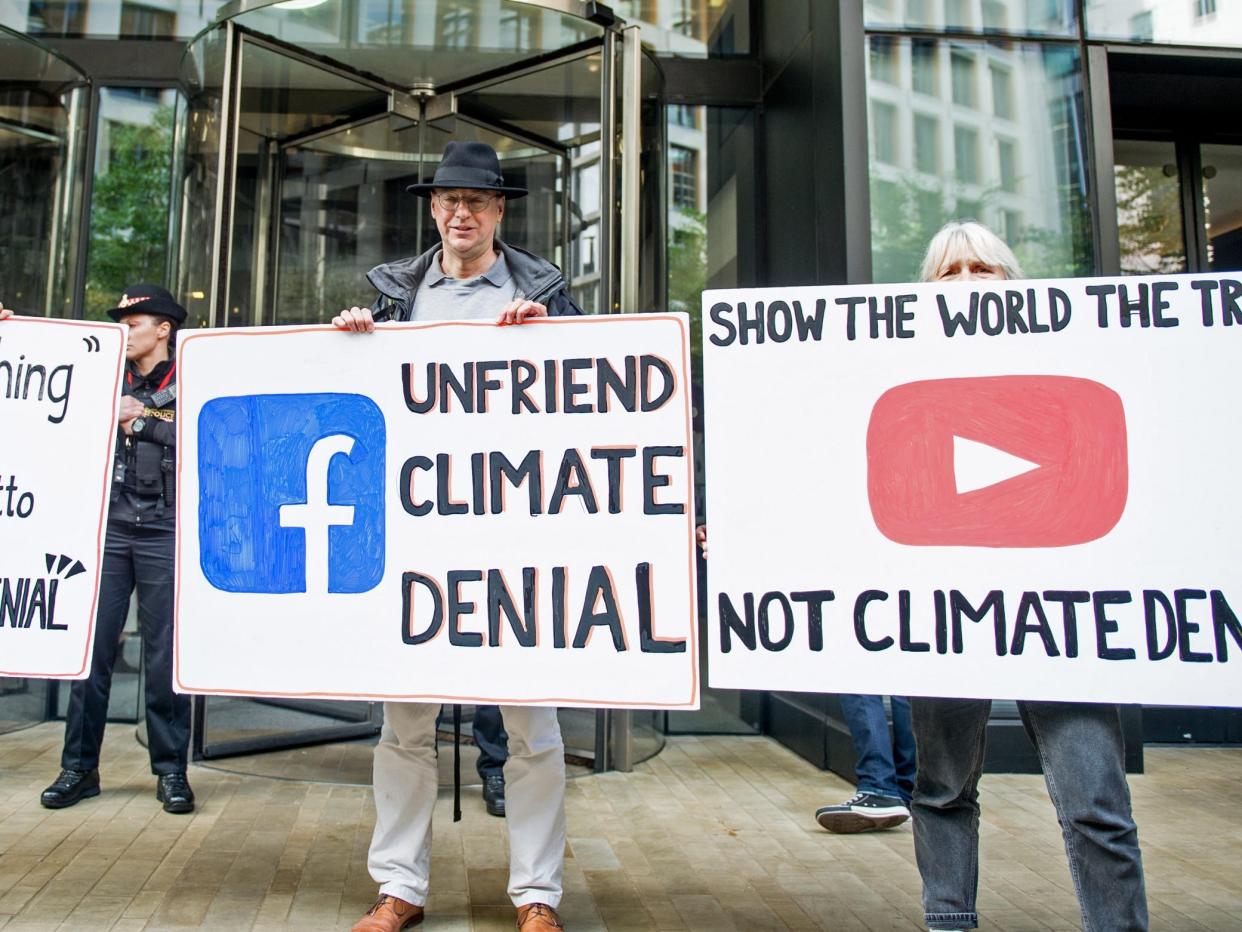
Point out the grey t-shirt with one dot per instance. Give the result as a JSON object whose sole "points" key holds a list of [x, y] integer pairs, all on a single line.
{"points": [[440, 297]]}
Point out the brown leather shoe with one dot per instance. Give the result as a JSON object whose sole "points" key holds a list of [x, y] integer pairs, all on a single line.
{"points": [[390, 914], [538, 917]]}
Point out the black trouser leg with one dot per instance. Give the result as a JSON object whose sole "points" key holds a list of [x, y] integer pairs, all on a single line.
{"points": [[88, 698], [168, 713], [493, 741]]}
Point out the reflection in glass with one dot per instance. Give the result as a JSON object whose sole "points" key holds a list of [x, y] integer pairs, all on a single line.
{"points": [[129, 199], [1184, 22], [924, 68], [165, 19], [703, 253], [23, 702], [1002, 142], [42, 124], [1149, 209], [410, 42], [1222, 206], [322, 167], [196, 175], [1007, 17], [691, 27]]}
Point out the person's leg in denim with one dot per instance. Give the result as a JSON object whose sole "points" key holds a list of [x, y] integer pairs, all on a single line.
{"points": [[904, 761], [1083, 757], [950, 737], [873, 746]]}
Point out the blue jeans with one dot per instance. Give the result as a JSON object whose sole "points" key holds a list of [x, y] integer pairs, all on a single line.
{"points": [[1080, 750], [885, 763]]}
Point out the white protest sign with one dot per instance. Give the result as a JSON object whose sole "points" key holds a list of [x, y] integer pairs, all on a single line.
{"points": [[60, 386], [439, 511], [1018, 490]]}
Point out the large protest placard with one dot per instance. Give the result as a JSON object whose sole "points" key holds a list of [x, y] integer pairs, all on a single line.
{"points": [[986, 489], [60, 386], [439, 511]]}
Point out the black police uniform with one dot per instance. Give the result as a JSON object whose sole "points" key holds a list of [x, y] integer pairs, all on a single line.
{"points": [[138, 551]]}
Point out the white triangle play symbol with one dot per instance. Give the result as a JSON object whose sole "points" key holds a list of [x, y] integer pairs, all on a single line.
{"points": [[977, 465]]}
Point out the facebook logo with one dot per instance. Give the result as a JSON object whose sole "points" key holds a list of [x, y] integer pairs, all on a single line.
{"points": [[291, 493]]}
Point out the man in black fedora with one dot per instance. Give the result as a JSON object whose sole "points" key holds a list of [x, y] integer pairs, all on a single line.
{"points": [[469, 274], [138, 552]]}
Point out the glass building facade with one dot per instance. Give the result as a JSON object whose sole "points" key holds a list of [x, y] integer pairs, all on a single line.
{"points": [[253, 157]]}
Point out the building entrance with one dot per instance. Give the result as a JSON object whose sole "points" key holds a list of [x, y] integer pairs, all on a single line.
{"points": [[1177, 164], [302, 123]]}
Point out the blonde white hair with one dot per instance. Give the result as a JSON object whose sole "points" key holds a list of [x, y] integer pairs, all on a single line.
{"points": [[963, 240]]}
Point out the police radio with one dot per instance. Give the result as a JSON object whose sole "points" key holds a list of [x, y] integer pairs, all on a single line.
{"points": [[164, 397]]}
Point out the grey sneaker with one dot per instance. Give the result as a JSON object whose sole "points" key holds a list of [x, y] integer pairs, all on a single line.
{"points": [[863, 812]]}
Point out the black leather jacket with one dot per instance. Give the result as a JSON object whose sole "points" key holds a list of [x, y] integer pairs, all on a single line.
{"points": [[143, 489]]}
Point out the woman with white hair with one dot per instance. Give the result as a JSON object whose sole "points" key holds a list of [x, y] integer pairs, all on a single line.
{"points": [[1080, 744]]}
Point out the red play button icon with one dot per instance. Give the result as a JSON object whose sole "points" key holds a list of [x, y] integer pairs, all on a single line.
{"points": [[1072, 430]]}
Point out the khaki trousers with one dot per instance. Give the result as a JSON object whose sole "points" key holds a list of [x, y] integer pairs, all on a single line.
{"points": [[406, 783]]}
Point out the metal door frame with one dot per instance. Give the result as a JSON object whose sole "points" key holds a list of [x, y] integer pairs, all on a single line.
{"points": [[620, 198]]}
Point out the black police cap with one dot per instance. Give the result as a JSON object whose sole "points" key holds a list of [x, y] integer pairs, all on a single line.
{"points": [[148, 299]]}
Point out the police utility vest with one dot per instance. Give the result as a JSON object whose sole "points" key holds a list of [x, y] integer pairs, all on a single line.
{"points": [[144, 475]]}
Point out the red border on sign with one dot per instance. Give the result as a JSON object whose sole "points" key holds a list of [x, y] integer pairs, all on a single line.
{"points": [[106, 483], [691, 701]]}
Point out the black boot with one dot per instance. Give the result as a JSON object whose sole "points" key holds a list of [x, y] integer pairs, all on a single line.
{"points": [[494, 794], [173, 790], [70, 787]]}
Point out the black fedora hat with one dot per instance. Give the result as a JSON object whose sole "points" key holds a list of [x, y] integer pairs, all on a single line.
{"points": [[148, 299], [468, 165]]}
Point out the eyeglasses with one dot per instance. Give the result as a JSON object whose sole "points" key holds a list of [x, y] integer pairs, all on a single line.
{"points": [[475, 203]]}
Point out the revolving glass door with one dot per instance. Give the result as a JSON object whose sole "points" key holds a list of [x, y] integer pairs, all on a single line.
{"points": [[304, 122]]}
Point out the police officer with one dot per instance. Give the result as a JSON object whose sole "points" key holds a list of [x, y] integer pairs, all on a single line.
{"points": [[138, 550]]}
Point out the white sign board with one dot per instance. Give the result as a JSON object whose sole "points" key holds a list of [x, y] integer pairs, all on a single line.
{"points": [[989, 489], [439, 512], [60, 387]]}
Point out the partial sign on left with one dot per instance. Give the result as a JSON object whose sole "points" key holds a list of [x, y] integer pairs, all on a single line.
{"points": [[60, 386]]}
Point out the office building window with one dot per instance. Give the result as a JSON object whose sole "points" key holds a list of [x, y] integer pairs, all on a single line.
{"points": [[1180, 22], [995, 16], [957, 14], [1141, 27], [1015, 161], [684, 167], [1002, 92], [57, 18], [455, 27], [1007, 164], [683, 115], [883, 59], [926, 143], [1011, 226], [923, 63], [686, 20], [966, 154], [884, 132], [149, 22], [517, 29], [962, 67]]}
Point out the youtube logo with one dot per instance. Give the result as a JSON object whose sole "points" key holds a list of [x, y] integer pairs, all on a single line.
{"points": [[1004, 461]]}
